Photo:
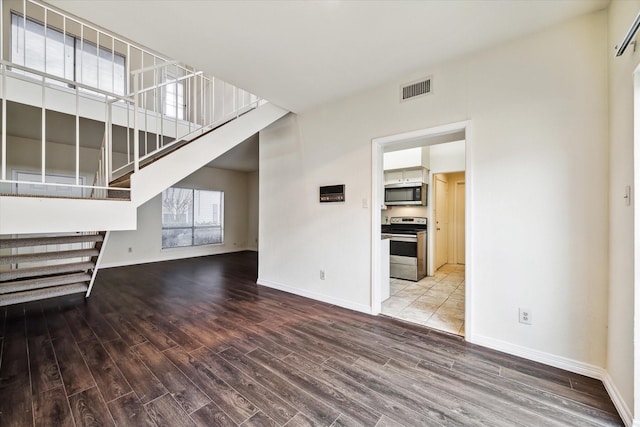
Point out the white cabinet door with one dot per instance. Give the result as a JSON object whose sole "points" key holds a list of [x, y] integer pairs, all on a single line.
{"points": [[413, 176], [395, 177]]}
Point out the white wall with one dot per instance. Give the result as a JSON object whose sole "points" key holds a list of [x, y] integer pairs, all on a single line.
{"points": [[538, 107], [146, 241], [620, 360], [253, 191], [447, 157]]}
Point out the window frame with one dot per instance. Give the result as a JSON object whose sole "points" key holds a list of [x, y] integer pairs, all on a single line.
{"points": [[194, 227], [76, 48]]}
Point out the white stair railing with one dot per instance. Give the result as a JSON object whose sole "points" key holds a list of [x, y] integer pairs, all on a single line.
{"points": [[184, 104], [158, 105]]}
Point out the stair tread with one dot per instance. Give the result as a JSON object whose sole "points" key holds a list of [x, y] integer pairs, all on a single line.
{"points": [[44, 293], [44, 270], [43, 282], [49, 240], [46, 256]]}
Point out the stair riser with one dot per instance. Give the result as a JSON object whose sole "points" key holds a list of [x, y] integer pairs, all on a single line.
{"points": [[28, 285], [47, 256], [43, 271], [40, 294], [29, 242]]}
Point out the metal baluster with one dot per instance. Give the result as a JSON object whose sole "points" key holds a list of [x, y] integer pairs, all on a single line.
{"points": [[136, 137], [44, 133], [105, 153], [77, 93], [4, 122]]}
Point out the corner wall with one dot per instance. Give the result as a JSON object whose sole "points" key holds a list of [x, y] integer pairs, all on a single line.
{"points": [[538, 111], [620, 351]]}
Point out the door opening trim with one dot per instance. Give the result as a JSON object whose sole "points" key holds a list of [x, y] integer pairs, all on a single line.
{"points": [[377, 186]]}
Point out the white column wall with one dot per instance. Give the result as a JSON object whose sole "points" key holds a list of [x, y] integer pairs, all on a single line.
{"points": [[620, 354]]}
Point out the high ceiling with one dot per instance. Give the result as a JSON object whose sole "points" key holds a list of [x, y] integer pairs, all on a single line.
{"points": [[302, 54]]}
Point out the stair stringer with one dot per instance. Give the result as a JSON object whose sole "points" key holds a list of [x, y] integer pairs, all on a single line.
{"points": [[167, 171]]}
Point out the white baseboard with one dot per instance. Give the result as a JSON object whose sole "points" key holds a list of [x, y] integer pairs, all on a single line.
{"points": [[618, 401], [567, 364], [177, 256], [316, 296]]}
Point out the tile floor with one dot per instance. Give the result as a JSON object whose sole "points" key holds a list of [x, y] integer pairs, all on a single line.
{"points": [[436, 301]]}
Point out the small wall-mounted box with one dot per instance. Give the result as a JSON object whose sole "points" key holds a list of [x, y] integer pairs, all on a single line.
{"points": [[332, 193]]}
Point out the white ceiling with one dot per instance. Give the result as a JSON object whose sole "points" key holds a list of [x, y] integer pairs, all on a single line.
{"points": [[302, 54]]}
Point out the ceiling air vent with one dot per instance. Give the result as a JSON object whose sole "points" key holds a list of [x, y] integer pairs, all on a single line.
{"points": [[415, 89]]}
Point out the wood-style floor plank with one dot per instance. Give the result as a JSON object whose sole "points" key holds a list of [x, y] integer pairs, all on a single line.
{"points": [[89, 409], [146, 386], [196, 342], [210, 415], [166, 412], [128, 411], [51, 408], [182, 388], [110, 381], [45, 374], [263, 398], [332, 396], [306, 403], [238, 407], [73, 369]]}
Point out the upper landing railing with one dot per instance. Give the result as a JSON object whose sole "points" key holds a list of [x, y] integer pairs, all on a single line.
{"points": [[149, 103]]}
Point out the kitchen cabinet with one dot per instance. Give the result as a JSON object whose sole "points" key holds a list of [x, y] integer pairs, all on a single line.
{"points": [[412, 158], [406, 176], [403, 159]]}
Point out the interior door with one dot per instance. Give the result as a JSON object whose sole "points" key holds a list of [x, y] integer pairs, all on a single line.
{"points": [[441, 214], [459, 222]]}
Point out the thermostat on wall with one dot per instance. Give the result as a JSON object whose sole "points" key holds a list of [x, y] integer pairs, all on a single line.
{"points": [[332, 193]]}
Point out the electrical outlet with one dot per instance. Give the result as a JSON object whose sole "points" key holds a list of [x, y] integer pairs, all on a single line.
{"points": [[321, 274], [525, 316]]}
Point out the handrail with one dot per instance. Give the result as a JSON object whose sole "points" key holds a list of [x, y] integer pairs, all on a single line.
{"points": [[167, 83], [10, 65], [154, 67], [179, 104]]}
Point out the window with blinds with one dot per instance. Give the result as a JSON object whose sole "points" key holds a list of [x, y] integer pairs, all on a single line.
{"points": [[49, 50]]}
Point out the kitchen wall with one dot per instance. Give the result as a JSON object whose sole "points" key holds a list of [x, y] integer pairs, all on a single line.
{"points": [[146, 241], [536, 157], [620, 354], [449, 157]]}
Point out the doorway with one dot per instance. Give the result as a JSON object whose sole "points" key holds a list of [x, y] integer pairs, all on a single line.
{"points": [[446, 289]]}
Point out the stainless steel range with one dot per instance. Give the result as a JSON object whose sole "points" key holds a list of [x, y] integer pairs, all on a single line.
{"points": [[408, 258]]}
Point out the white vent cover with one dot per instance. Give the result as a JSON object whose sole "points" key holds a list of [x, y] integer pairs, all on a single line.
{"points": [[415, 89]]}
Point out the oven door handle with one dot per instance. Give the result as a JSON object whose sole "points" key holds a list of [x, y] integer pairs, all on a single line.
{"points": [[402, 238]]}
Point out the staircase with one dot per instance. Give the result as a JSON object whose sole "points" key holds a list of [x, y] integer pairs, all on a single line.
{"points": [[162, 123], [47, 267]]}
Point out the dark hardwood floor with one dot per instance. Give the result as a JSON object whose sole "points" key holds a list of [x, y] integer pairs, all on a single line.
{"points": [[197, 343]]}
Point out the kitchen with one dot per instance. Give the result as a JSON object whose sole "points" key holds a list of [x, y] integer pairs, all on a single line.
{"points": [[424, 224]]}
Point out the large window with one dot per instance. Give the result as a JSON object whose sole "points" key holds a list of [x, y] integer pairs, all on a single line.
{"points": [[191, 217], [174, 104], [51, 51]]}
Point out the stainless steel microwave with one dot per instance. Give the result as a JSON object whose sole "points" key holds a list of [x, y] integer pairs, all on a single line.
{"points": [[406, 194]]}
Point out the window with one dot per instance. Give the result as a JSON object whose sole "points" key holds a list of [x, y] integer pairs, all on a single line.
{"points": [[174, 97], [191, 217], [51, 51]]}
